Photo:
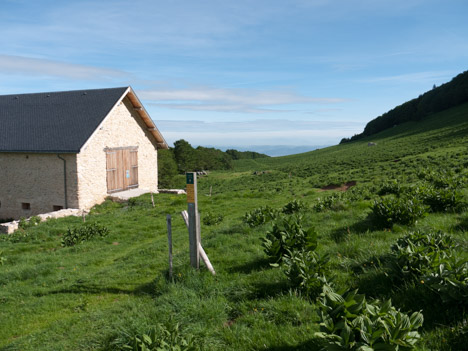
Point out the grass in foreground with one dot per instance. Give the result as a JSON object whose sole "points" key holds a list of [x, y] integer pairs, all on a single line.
{"points": [[98, 294]]}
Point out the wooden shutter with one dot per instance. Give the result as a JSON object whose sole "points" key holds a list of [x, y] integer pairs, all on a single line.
{"points": [[114, 178], [122, 169]]}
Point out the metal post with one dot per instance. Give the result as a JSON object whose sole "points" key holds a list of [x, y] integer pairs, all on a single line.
{"points": [[169, 239]]}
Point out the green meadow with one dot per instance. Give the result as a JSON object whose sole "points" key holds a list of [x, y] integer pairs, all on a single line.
{"points": [[351, 247]]}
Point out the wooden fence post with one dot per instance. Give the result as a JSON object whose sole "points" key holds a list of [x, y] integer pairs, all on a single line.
{"points": [[202, 252]]}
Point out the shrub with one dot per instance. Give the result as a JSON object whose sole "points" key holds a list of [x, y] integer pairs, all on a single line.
{"points": [[360, 192], [28, 223], [442, 180], [349, 322], [260, 216], [286, 236], [419, 252], [430, 259], [306, 270], [390, 210], [294, 207], [449, 280], [78, 235], [441, 199], [162, 338], [392, 187], [331, 202], [212, 219]]}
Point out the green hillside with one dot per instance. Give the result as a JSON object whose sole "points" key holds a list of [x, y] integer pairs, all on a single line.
{"points": [[288, 255], [447, 130], [444, 97]]}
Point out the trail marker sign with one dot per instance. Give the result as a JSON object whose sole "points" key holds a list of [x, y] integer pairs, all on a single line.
{"points": [[194, 219]]}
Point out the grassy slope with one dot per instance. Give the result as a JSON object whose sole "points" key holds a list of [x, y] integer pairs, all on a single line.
{"points": [[89, 296]]}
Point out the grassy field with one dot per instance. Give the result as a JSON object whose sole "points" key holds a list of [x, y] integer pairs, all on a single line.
{"points": [[101, 293]]}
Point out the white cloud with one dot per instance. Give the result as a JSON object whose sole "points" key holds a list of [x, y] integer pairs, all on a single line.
{"points": [[257, 125], [20, 65], [229, 100], [418, 77]]}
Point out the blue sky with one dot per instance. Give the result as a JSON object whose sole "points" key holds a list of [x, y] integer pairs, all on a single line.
{"points": [[239, 73]]}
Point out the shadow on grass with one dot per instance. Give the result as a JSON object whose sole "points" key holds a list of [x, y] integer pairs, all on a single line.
{"points": [[235, 229], [148, 289], [365, 225], [256, 265], [462, 226], [264, 290], [415, 296], [305, 346]]}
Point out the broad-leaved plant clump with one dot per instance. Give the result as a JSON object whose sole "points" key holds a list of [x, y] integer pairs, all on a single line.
{"points": [[210, 218], [306, 270], [162, 338], [430, 259], [441, 199], [260, 216], [390, 210], [449, 280], [330, 202], [350, 322], [286, 236], [419, 252], [293, 207], [83, 233]]}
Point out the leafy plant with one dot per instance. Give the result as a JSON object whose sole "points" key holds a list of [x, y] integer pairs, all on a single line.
{"points": [[2, 258], [260, 216], [163, 338], [441, 199], [306, 270], [450, 280], [349, 322], [212, 219], [78, 235], [28, 223], [390, 210], [330, 202], [442, 180], [294, 206], [392, 187], [419, 252], [286, 236]]}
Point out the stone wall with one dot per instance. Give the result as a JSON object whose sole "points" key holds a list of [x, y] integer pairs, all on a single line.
{"points": [[32, 183], [122, 128]]}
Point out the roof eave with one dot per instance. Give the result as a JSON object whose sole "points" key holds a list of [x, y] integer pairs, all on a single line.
{"points": [[41, 151], [138, 107]]}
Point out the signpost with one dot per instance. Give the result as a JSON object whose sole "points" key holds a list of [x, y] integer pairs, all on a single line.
{"points": [[193, 219]]}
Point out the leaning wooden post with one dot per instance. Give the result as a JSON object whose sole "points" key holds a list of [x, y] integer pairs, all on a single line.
{"points": [[169, 239], [193, 218], [202, 252]]}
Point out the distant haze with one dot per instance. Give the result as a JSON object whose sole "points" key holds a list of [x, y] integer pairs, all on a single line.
{"points": [[274, 150]]}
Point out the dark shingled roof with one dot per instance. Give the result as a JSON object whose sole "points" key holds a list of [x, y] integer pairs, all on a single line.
{"points": [[53, 122]]}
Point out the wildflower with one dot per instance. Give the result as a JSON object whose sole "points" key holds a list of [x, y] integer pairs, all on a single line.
{"points": [[422, 281]]}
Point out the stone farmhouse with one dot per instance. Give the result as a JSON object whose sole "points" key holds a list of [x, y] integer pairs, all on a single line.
{"points": [[71, 149]]}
